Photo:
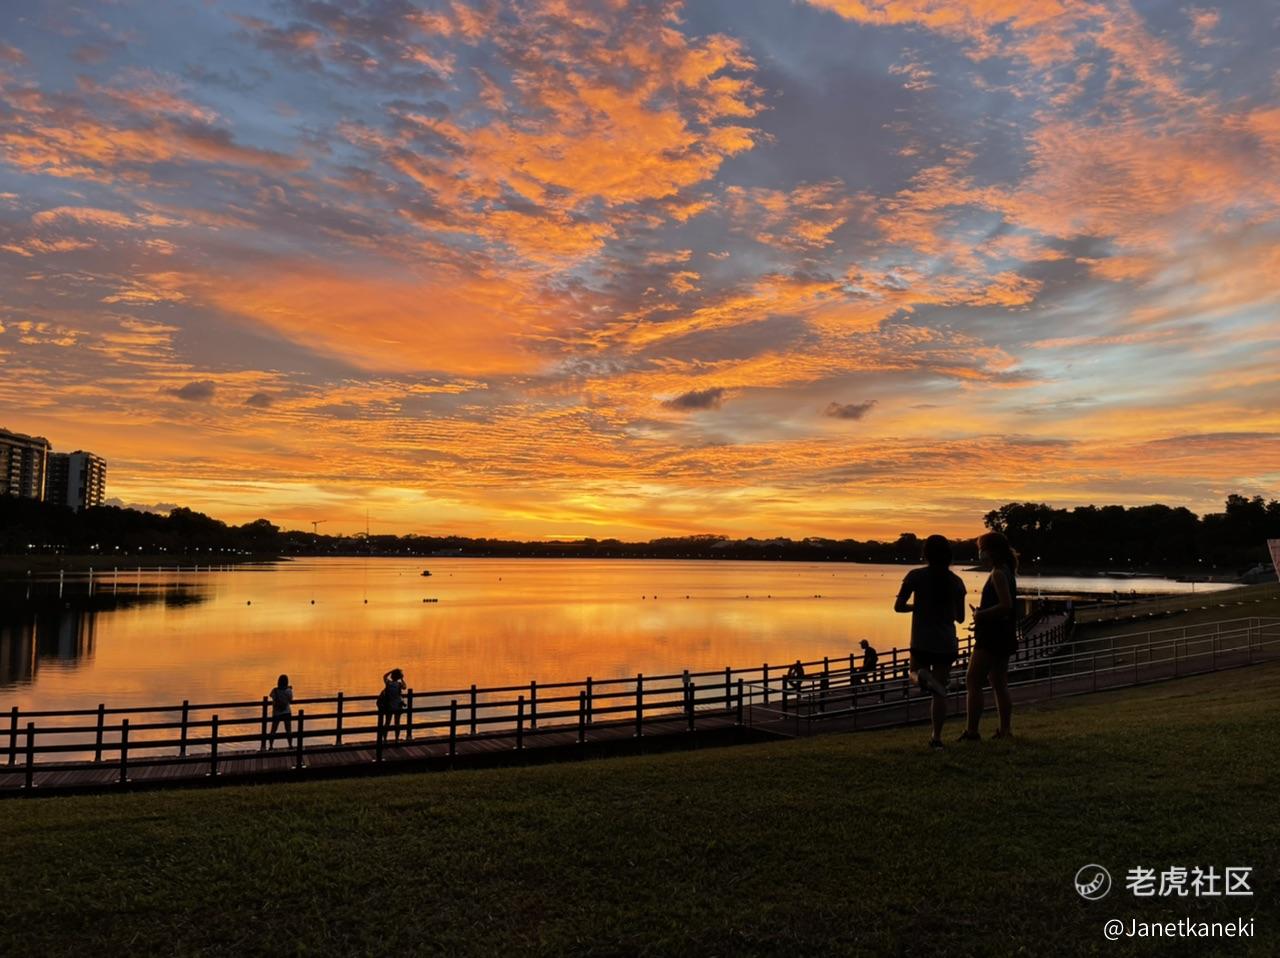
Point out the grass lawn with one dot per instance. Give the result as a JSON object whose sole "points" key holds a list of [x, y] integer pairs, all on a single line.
{"points": [[850, 844]]}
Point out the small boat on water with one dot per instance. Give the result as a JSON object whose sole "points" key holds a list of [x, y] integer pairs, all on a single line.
{"points": [[426, 572]]}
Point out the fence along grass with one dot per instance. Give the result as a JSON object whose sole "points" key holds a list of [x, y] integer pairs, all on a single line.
{"points": [[207, 733]]}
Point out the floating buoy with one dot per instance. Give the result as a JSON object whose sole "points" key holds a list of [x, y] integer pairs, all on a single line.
{"points": [[313, 601], [247, 602]]}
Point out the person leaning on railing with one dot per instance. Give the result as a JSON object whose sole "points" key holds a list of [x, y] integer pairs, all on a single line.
{"points": [[391, 702]]}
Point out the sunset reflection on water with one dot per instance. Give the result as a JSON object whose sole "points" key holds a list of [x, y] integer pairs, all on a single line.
{"points": [[496, 622]]}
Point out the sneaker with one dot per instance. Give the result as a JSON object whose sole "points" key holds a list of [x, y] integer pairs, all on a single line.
{"points": [[936, 744], [967, 736]]}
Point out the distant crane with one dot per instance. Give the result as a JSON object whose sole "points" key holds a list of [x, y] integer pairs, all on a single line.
{"points": [[315, 525]]}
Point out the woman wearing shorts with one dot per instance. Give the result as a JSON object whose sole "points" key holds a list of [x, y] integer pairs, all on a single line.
{"points": [[995, 635], [938, 605]]}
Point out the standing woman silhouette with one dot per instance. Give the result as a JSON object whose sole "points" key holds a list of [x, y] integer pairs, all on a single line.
{"points": [[938, 605], [995, 635], [281, 711]]}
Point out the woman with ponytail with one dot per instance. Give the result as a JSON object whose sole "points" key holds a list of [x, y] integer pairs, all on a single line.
{"points": [[995, 635]]}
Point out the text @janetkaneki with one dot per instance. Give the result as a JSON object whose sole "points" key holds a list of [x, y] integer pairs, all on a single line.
{"points": [[1093, 883]]}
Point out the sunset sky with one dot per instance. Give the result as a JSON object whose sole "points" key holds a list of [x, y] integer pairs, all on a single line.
{"points": [[623, 268]]}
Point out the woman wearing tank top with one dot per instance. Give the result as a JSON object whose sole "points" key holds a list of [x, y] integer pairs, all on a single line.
{"points": [[995, 636]]}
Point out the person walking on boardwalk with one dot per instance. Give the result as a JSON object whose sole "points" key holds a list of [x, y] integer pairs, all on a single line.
{"points": [[869, 659], [281, 711], [391, 702], [938, 605], [995, 635]]}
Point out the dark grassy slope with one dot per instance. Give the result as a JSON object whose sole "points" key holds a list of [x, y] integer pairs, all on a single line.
{"points": [[848, 844]]}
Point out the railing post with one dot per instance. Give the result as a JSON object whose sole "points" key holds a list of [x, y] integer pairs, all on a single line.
{"points": [[740, 701], [378, 739], [97, 742], [182, 736], [124, 751], [692, 695], [765, 673], [1051, 678], [13, 735], [639, 704], [213, 747], [1094, 665], [728, 694], [520, 723], [533, 705], [473, 709], [409, 717], [262, 746], [826, 680], [338, 728], [1176, 669], [302, 731], [582, 716], [31, 755], [1213, 654], [590, 699], [453, 728]]}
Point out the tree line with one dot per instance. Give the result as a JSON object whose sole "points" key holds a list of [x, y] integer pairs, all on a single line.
{"points": [[1154, 537], [1140, 537]]}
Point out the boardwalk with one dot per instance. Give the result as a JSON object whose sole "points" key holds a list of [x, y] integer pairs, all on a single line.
{"points": [[477, 727]]}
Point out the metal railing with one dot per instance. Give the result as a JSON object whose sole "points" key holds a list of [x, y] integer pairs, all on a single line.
{"points": [[1066, 670], [128, 738]]}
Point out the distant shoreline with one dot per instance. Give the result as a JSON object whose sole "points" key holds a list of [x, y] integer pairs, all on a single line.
{"points": [[17, 566]]}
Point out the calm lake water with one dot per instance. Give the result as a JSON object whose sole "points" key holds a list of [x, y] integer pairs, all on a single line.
{"points": [[160, 637]]}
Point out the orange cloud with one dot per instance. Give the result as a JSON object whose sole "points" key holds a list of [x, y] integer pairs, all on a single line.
{"points": [[468, 324], [802, 218], [639, 113], [71, 139]]}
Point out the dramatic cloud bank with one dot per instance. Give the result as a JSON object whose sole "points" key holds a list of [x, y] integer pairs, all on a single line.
{"points": [[631, 267]]}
